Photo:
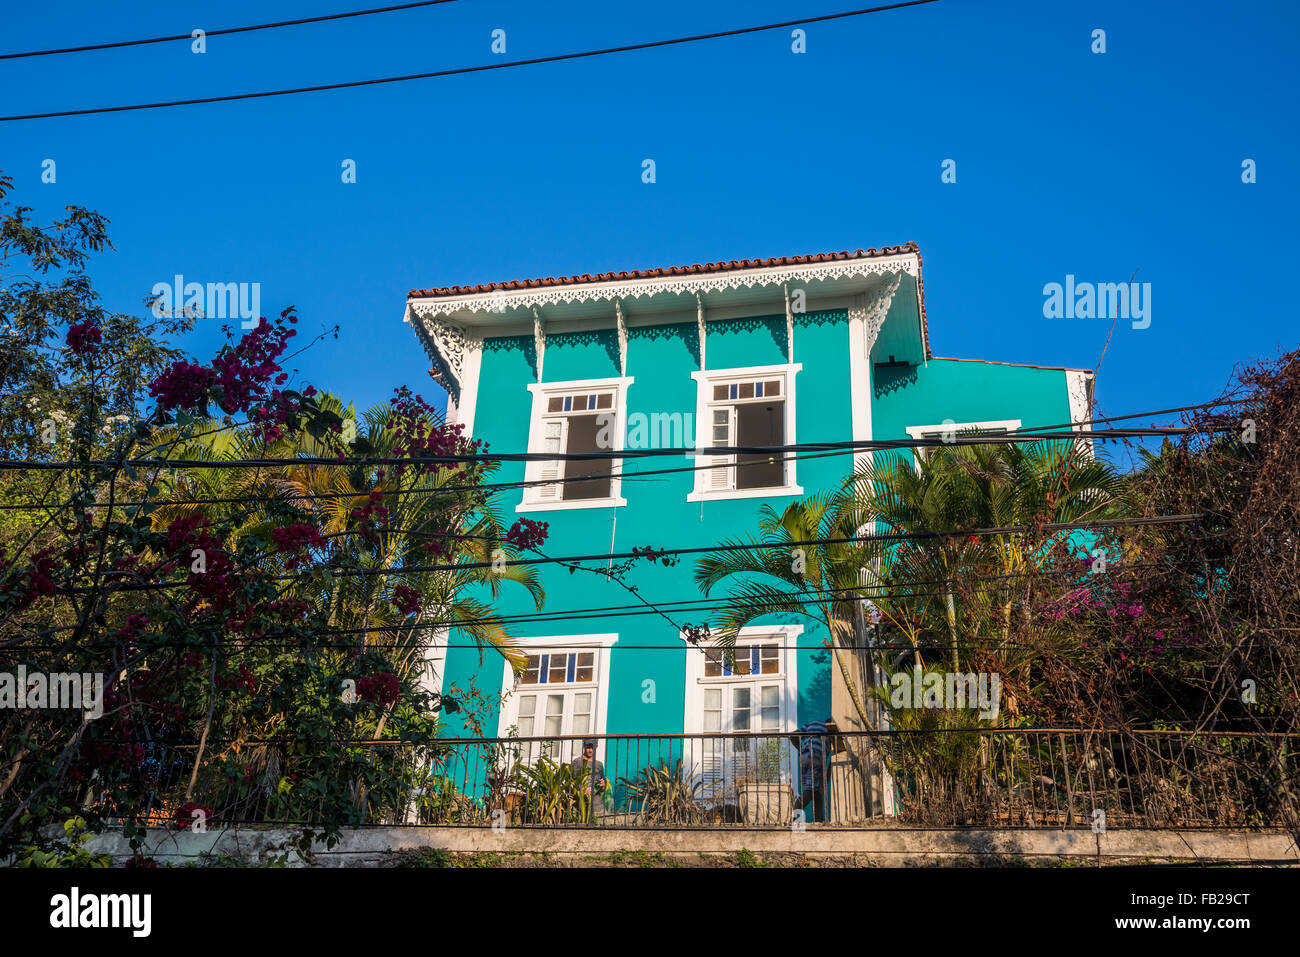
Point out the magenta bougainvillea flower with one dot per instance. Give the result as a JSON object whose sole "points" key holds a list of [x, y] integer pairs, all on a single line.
{"points": [[237, 379], [526, 534], [380, 689], [84, 336], [406, 599], [186, 816], [294, 541]]}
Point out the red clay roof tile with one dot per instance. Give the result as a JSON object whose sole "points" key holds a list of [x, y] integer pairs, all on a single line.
{"points": [[909, 247]]}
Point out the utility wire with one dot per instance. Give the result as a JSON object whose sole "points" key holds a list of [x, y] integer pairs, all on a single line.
{"points": [[842, 595], [292, 496], [476, 458], [754, 546], [223, 32], [625, 48]]}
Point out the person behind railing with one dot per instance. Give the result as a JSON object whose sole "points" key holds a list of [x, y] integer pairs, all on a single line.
{"points": [[595, 783], [810, 739]]}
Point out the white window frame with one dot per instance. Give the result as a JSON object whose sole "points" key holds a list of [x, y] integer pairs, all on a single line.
{"points": [[918, 432], [704, 404], [535, 471], [511, 687]]}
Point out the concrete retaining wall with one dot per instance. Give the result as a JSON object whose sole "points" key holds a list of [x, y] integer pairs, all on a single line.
{"points": [[877, 846]]}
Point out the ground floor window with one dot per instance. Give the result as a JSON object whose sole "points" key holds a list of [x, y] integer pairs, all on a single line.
{"points": [[751, 694], [558, 698]]}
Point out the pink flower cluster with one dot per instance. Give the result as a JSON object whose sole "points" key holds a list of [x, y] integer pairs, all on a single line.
{"points": [[413, 422], [380, 689], [294, 540], [216, 583], [83, 337], [406, 599], [185, 815], [183, 385], [371, 517], [38, 582], [526, 534], [238, 377]]}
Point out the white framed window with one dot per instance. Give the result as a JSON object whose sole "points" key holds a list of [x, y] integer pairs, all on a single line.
{"points": [[756, 692], [561, 692], [574, 417], [937, 432], [752, 407]]}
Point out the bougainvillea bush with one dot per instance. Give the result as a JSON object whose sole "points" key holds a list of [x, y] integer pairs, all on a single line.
{"points": [[254, 569]]}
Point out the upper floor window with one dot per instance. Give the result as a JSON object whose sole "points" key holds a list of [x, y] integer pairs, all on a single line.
{"points": [[571, 418], [745, 408]]}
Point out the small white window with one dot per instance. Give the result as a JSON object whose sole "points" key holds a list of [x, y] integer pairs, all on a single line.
{"points": [[959, 429], [571, 418], [751, 408]]}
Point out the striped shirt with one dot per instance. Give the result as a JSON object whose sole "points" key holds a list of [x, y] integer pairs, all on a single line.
{"points": [[812, 754]]}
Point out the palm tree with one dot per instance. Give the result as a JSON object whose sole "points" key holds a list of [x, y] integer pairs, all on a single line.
{"points": [[794, 570], [967, 487], [438, 507]]}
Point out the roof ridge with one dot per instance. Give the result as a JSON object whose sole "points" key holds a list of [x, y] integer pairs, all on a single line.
{"points": [[694, 269]]}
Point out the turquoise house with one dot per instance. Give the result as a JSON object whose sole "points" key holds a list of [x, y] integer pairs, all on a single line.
{"points": [[801, 349]]}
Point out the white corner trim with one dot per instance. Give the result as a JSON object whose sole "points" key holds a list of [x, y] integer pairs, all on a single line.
{"points": [[701, 328], [470, 370], [622, 336], [435, 661], [539, 341], [870, 309], [862, 338], [1078, 384]]}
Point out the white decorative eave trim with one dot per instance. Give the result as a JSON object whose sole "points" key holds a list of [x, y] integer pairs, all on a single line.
{"points": [[872, 309], [621, 324], [446, 343], [700, 329], [539, 341], [694, 284]]}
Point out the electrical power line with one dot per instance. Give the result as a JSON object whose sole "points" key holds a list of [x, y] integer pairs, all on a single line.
{"points": [[514, 486], [854, 594], [476, 458], [625, 48], [754, 546], [224, 32]]}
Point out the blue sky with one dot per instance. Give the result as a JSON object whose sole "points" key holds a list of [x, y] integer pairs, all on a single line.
{"points": [[1097, 165]]}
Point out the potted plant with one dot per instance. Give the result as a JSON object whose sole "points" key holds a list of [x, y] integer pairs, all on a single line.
{"points": [[764, 795]]}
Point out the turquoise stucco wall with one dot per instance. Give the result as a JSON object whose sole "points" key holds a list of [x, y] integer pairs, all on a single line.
{"points": [[660, 360], [965, 391]]}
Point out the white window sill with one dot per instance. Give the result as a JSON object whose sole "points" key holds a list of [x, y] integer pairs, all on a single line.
{"points": [[733, 679], [775, 492], [577, 503]]}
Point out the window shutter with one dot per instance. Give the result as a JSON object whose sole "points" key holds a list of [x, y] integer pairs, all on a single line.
{"points": [[723, 423], [554, 439]]}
